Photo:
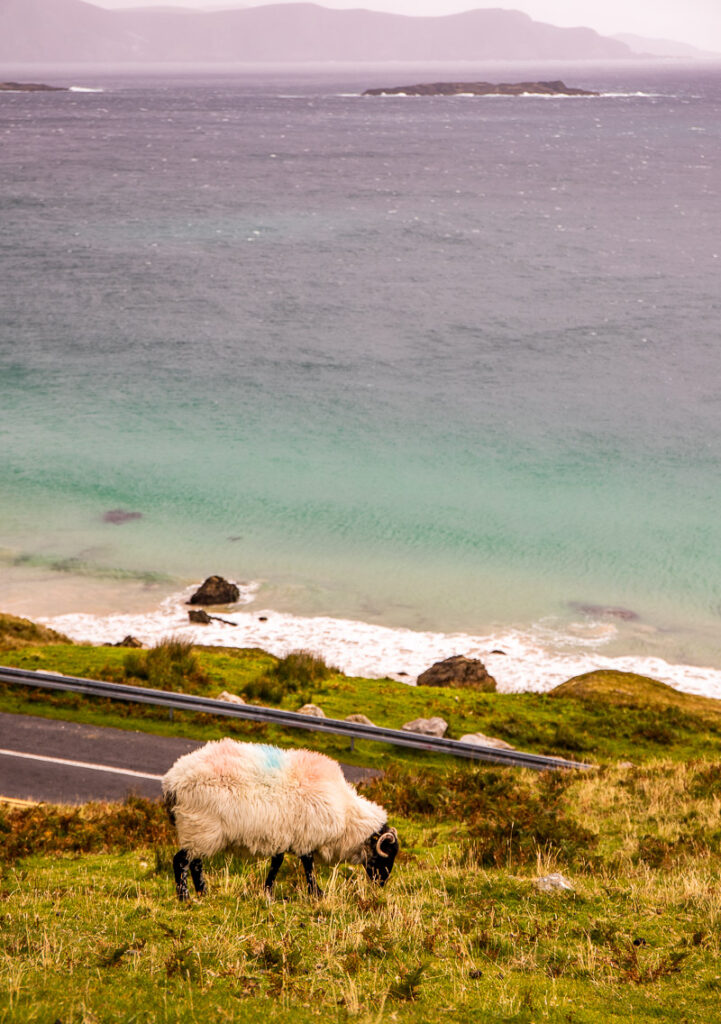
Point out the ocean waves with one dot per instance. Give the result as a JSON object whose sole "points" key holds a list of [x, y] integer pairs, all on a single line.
{"points": [[536, 658]]}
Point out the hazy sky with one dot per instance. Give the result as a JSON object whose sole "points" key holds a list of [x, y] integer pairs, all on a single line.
{"points": [[688, 21]]}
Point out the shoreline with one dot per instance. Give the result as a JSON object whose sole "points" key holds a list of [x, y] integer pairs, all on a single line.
{"points": [[534, 658]]}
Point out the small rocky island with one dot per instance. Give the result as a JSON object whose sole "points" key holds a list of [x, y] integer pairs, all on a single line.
{"points": [[482, 89], [30, 87]]}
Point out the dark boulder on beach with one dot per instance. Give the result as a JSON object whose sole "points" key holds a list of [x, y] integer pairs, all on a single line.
{"points": [[128, 641], [199, 616], [215, 590], [459, 671]]}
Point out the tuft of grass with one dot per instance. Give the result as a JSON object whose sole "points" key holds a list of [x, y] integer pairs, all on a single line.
{"points": [[299, 671], [171, 664]]}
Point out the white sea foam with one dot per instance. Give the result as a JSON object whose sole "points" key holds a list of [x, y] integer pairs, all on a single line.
{"points": [[83, 88], [535, 659]]}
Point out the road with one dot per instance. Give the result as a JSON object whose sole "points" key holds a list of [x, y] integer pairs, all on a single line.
{"points": [[64, 762]]}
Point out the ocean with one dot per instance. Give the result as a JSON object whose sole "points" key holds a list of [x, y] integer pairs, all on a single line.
{"points": [[427, 375]]}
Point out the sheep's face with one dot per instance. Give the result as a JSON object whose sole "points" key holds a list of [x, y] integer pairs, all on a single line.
{"points": [[379, 853]]}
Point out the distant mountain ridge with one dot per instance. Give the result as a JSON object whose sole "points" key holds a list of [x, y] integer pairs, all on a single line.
{"points": [[76, 31], [662, 47]]}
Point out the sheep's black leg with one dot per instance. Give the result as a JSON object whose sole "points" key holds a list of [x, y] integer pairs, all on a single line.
{"points": [[274, 869], [181, 862], [313, 887], [196, 873]]}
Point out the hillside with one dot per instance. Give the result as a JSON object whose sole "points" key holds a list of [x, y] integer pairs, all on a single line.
{"points": [[75, 31]]}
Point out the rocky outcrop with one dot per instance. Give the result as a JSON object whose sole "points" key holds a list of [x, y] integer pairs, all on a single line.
{"points": [[481, 740], [427, 726], [129, 641], [30, 87], [312, 710], [199, 617], [481, 89], [459, 671], [359, 719], [230, 698], [215, 590], [554, 883]]}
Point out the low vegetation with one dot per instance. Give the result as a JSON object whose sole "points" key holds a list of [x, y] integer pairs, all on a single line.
{"points": [[171, 664], [601, 717], [91, 932], [16, 633], [461, 931]]}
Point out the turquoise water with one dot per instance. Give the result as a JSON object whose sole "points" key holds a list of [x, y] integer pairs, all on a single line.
{"points": [[430, 363]]}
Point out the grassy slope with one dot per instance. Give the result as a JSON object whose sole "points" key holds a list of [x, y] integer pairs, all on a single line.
{"points": [[455, 935], [599, 718], [461, 931]]}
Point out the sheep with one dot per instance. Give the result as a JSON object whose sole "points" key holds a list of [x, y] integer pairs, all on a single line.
{"points": [[268, 802]]}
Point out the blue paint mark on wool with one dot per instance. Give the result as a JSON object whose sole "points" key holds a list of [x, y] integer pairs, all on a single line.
{"points": [[271, 759]]}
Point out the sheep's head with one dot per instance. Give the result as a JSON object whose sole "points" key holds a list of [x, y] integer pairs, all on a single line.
{"points": [[379, 853]]}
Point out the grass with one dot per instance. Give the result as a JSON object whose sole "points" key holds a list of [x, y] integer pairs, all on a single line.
{"points": [[602, 717], [16, 633], [456, 935], [91, 932]]}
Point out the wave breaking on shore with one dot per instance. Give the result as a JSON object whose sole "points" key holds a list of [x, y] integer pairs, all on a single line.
{"points": [[536, 658]]}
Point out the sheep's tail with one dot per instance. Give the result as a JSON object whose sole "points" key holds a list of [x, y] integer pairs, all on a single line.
{"points": [[170, 801]]}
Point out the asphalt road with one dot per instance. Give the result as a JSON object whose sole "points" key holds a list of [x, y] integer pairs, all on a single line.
{"points": [[64, 762]]}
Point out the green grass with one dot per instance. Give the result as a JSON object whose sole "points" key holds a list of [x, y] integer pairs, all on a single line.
{"points": [[91, 932], [99, 937], [16, 633], [601, 717]]}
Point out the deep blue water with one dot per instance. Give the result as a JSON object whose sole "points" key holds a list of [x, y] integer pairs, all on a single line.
{"points": [[437, 362]]}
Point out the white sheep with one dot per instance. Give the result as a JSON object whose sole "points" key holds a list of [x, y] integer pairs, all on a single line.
{"points": [[269, 802]]}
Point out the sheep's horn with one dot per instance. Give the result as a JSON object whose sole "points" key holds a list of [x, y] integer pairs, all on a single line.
{"points": [[392, 834]]}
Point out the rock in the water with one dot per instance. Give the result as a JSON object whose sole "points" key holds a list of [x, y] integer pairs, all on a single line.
{"points": [[360, 719], [554, 883], [118, 516], [458, 671], [312, 710], [215, 590], [129, 641], [604, 611], [481, 740], [198, 615], [427, 726], [231, 698], [556, 88], [31, 87]]}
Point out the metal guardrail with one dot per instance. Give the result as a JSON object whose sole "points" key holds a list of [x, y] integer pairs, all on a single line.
{"points": [[288, 719]]}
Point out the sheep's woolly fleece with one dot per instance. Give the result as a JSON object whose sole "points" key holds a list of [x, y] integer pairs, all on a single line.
{"points": [[267, 801]]}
